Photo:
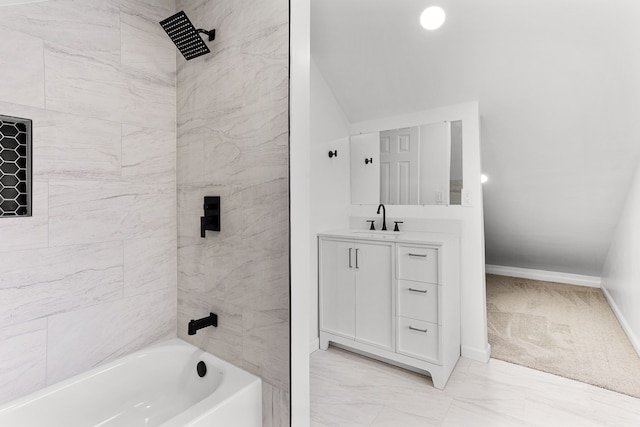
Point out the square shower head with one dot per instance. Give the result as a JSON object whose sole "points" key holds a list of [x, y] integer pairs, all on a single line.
{"points": [[185, 36]]}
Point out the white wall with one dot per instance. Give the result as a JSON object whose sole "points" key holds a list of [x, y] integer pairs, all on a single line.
{"points": [[330, 181], [621, 273], [92, 274]]}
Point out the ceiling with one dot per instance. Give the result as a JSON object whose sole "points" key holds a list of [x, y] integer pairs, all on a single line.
{"points": [[558, 83]]}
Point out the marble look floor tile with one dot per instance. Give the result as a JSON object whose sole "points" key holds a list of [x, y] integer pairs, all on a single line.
{"points": [[390, 417], [542, 414], [22, 79], [503, 398], [461, 413], [23, 352], [345, 415], [42, 282], [28, 232], [135, 322], [493, 394]]}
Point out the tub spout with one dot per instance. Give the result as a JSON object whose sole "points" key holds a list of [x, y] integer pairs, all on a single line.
{"points": [[210, 320]]}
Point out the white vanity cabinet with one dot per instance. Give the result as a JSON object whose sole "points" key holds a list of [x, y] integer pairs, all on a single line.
{"points": [[394, 297], [356, 293]]}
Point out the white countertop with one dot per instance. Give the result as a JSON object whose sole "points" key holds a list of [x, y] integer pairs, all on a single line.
{"points": [[392, 236]]}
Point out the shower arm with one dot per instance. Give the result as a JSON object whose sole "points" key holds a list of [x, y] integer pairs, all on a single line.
{"points": [[210, 33]]}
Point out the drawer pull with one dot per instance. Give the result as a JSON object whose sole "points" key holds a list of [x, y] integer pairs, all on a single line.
{"points": [[418, 290], [424, 331], [350, 266], [419, 255]]}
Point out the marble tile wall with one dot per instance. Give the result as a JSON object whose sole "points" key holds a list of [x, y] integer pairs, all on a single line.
{"points": [[92, 274], [232, 110]]}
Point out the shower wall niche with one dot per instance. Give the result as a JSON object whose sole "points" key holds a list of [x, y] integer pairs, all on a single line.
{"points": [[15, 166]]}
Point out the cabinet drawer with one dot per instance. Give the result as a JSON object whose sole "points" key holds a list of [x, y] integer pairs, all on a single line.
{"points": [[418, 339], [418, 300], [418, 264]]}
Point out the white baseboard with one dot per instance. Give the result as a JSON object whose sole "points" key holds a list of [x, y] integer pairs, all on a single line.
{"points": [[547, 276], [314, 345], [476, 354], [635, 342]]}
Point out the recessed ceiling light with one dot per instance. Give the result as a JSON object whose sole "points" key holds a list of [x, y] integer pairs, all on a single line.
{"points": [[432, 18], [484, 178]]}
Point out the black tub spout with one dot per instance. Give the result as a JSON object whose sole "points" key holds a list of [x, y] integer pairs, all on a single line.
{"points": [[210, 320]]}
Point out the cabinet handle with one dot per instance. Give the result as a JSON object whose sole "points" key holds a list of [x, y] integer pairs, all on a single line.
{"points": [[424, 331], [419, 255], [350, 266], [417, 290], [357, 258]]}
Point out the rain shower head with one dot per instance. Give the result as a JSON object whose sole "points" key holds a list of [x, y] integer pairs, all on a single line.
{"points": [[185, 36]]}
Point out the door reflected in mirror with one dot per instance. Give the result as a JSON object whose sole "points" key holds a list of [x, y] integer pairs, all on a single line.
{"points": [[418, 165]]}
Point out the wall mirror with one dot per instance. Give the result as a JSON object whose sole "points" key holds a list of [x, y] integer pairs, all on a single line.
{"points": [[418, 165]]}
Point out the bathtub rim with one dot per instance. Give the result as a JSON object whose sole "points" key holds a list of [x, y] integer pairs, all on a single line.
{"points": [[235, 381]]}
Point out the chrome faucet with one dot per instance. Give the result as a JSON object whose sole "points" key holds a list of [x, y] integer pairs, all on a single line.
{"points": [[384, 216]]}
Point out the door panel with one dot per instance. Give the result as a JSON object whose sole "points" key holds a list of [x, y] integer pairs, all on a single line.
{"points": [[337, 288], [400, 153], [374, 299]]}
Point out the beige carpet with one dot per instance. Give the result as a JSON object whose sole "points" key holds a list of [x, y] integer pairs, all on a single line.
{"points": [[562, 329]]}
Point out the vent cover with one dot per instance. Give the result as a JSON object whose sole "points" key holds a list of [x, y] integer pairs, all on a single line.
{"points": [[185, 36], [15, 166]]}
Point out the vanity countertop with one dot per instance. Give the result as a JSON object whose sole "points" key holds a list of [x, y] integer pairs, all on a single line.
{"points": [[420, 237]]}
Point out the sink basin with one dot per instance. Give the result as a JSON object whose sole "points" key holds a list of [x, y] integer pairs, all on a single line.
{"points": [[379, 233]]}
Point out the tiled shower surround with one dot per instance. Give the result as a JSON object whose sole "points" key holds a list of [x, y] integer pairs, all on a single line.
{"points": [[111, 259], [92, 274], [233, 143]]}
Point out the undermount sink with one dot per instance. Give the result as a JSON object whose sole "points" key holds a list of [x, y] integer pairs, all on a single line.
{"points": [[379, 233]]}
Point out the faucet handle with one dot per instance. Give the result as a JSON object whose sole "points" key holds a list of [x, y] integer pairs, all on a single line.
{"points": [[396, 227], [372, 221]]}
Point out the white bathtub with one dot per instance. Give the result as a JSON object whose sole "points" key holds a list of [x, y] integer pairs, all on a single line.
{"points": [[157, 386]]}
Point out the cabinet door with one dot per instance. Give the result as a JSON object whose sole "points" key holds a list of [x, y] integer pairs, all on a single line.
{"points": [[374, 297], [337, 287]]}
